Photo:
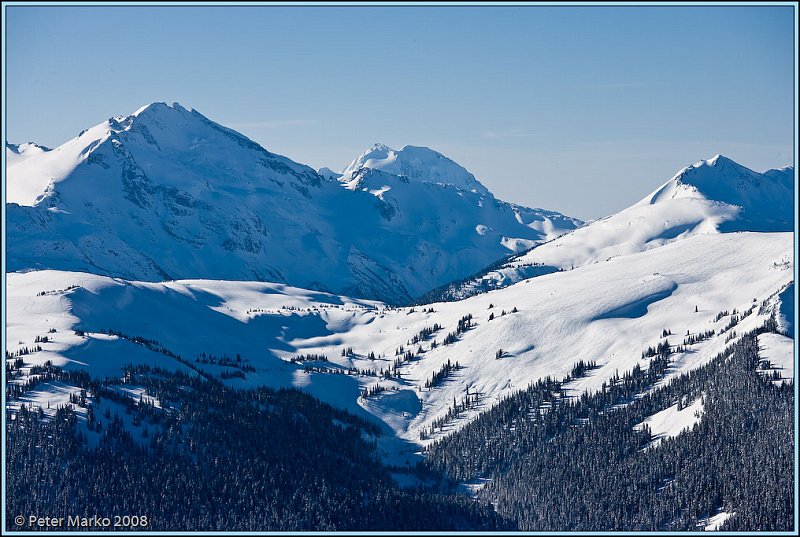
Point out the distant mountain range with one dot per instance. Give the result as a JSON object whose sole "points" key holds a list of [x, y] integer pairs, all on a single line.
{"points": [[568, 375], [711, 196], [166, 193]]}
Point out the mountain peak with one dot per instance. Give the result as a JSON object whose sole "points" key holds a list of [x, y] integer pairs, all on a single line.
{"points": [[718, 159], [416, 163], [378, 152], [148, 145], [763, 201], [160, 106], [329, 174], [167, 193], [717, 171], [154, 115], [22, 148], [18, 152]]}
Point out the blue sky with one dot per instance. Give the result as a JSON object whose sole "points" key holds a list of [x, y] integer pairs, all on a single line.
{"points": [[578, 109]]}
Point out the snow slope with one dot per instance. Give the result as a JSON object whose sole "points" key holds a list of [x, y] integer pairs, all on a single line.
{"points": [[27, 190], [779, 351], [607, 312], [715, 195], [713, 523], [670, 422], [16, 153], [410, 204], [166, 193], [711, 196]]}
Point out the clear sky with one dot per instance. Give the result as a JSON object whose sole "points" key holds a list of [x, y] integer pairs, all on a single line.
{"points": [[583, 110]]}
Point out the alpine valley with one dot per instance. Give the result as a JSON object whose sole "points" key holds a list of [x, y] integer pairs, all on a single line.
{"points": [[214, 337]]}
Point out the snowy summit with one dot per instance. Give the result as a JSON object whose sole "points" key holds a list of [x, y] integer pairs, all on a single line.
{"points": [[166, 193], [420, 164]]}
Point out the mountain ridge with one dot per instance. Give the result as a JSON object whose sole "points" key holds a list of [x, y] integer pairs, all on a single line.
{"points": [[716, 195], [166, 193]]}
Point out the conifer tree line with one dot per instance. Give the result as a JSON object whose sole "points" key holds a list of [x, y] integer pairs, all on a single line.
{"points": [[220, 459], [582, 464], [439, 376], [209, 457]]}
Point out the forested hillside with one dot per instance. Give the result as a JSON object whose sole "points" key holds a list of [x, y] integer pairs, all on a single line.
{"points": [[189, 453], [592, 463]]}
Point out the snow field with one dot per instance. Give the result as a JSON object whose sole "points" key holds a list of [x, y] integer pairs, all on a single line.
{"points": [[606, 312]]}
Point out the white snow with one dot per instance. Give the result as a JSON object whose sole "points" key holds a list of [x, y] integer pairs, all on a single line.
{"points": [[19, 153], [713, 523], [779, 350], [166, 193], [607, 312], [135, 393], [48, 396], [417, 164], [711, 196], [670, 422]]}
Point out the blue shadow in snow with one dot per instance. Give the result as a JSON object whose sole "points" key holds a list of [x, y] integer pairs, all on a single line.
{"points": [[637, 308]]}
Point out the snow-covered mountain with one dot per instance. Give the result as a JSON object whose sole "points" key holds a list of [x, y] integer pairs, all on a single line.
{"points": [[711, 196], [28, 189], [418, 164], [16, 153], [166, 193], [329, 174]]}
